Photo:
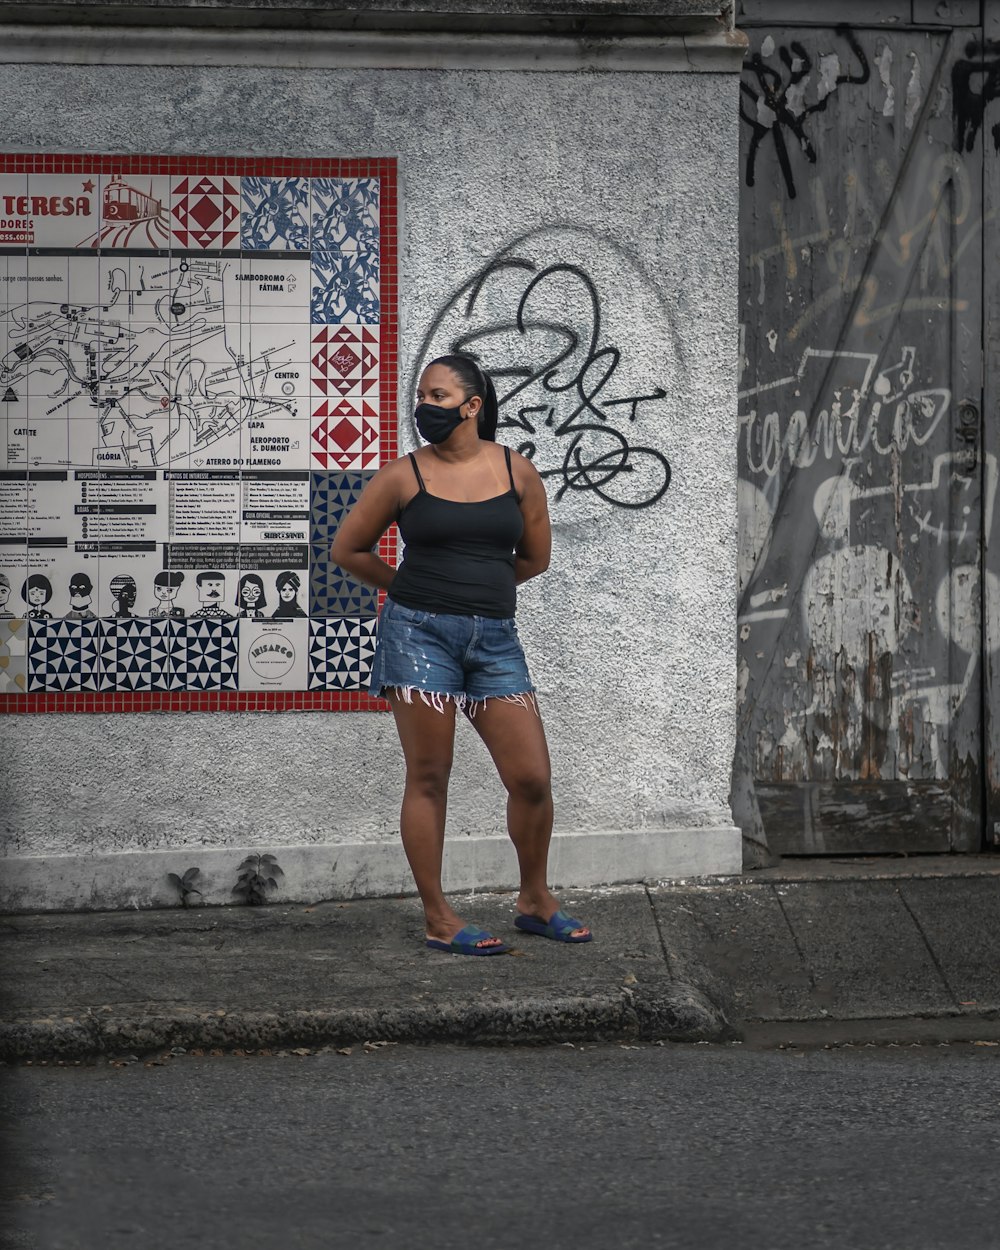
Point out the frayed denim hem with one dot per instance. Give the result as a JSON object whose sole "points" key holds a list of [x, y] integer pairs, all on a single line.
{"points": [[463, 703]]}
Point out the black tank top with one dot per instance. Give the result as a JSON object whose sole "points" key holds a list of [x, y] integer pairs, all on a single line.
{"points": [[459, 557]]}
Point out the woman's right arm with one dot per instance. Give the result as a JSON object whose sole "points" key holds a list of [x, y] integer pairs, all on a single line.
{"points": [[364, 525]]}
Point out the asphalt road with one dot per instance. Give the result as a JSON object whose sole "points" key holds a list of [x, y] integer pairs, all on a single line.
{"points": [[606, 1147]]}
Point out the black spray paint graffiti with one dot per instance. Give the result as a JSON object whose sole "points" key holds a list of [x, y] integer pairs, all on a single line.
{"points": [[778, 105], [982, 68], [561, 363]]}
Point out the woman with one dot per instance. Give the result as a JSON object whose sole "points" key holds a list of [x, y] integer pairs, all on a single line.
{"points": [[166, 584], [36, 592], [124, 592], [475, 523], [287, 585], [250, 597]]}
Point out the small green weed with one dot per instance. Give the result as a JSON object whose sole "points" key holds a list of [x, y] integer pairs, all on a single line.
{"points": [[257, 875], [183, 885]]}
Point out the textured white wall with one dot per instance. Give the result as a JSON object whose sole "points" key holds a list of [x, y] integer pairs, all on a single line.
{"points": [[630, 635]]}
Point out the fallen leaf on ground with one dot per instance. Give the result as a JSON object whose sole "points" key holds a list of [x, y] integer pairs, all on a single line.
{"points": [[986, 1043], [345, 1050], [301, 1050]]}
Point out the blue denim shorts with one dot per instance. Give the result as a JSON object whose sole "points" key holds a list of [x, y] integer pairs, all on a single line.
{"points": [[440, 656]]}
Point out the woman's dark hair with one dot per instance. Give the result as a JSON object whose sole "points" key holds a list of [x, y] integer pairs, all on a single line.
{"points": [[475, 381]]}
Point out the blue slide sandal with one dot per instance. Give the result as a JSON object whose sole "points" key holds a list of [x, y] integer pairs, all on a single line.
{"points": [[464, 943], [559, 928]]}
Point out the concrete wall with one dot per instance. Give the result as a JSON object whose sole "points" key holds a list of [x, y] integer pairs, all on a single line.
{"points": [[631, 178]]}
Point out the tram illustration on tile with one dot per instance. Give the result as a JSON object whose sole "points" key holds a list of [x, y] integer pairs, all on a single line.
{"points": [[197, 379]]}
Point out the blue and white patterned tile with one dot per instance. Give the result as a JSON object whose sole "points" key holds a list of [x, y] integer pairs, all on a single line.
{"points": [[340, 654], [275, 216], [345, 214], [345, 287], [331, 497], [63, 656], [135, 655], [204, 654], [332, 592]]}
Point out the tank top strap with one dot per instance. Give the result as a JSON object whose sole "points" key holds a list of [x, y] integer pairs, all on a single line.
{"points": [[510, 471], [420, 480]]}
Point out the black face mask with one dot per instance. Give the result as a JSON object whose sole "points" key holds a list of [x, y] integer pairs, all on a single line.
{"points": [[436, 424]]}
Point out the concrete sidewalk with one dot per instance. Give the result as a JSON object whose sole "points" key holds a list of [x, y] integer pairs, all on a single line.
{"points": [[872, 949]]}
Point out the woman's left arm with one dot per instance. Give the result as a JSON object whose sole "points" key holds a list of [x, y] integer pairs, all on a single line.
{"points": [[533, 552]]}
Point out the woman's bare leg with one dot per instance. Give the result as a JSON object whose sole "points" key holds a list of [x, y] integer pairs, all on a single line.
{"points": [[427, 737], [515, 738]]}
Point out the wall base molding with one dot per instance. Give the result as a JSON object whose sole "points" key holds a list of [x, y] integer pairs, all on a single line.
{"points": [[138, 879], [21, 44]]}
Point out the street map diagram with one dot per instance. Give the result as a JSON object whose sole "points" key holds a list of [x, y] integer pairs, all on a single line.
{"points": [[168, 369]]}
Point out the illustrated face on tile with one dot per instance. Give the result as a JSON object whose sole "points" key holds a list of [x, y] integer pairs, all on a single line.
{"points": [[165, 592], [4, 590], [124, 591], [37, 590], [166, 587], [80, 591], [211, 588], [250, 592]]}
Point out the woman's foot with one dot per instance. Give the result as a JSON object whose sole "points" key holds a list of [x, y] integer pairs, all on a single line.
{"points": [[542, 907], [445, 928]]}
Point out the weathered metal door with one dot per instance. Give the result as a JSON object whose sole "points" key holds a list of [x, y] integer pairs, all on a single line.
{"points": [[866, 490]]}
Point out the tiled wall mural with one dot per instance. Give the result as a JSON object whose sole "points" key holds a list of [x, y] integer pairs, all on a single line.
{"points": [[197, 375]]}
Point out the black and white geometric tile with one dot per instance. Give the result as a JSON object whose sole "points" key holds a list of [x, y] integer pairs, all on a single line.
{"points": [[331, 496], [63, 655], [204, 654], [135, 655], [340, 654], [332, 592]]}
